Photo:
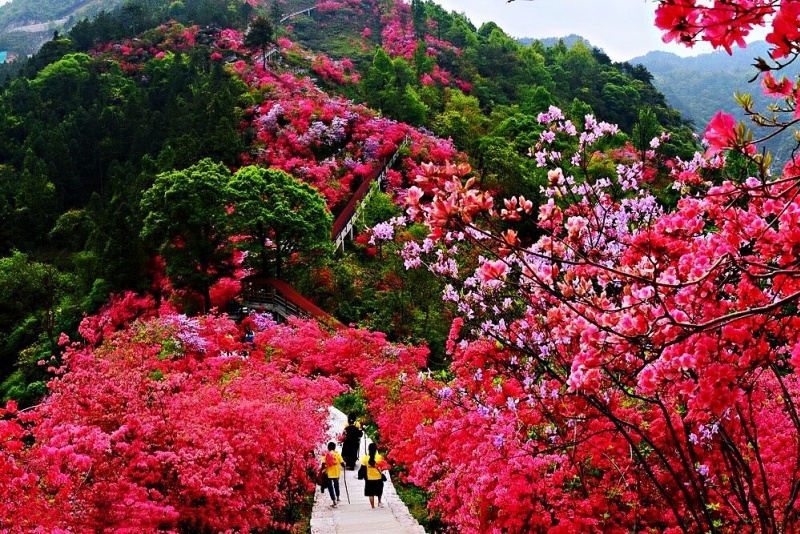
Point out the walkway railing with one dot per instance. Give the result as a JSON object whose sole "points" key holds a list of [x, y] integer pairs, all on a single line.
{"points": [[344, 225], [307, 11], [282, 300]]}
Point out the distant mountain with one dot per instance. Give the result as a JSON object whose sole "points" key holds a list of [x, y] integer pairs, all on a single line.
{"points": [[26, 24], [700, 86]]}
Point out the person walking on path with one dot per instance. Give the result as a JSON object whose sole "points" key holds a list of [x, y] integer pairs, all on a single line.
{"points": [[373, 465], [351, 442], [333, 462], [358, 518]]}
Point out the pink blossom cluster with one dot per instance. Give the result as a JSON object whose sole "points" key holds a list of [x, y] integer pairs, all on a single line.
{"points": [[722, 24], [398, 37], [342, 7], [616, 371], [324, 140], [435, 46], [167, 422], [399, 40]]}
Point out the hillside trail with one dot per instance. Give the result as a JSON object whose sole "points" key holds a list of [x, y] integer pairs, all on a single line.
{"points": [[357, 516]]}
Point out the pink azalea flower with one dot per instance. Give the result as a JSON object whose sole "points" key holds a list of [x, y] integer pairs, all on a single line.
{"points": [[720, 133]]}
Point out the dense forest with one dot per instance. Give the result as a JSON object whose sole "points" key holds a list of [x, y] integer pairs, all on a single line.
{"points": [[97, 114]]}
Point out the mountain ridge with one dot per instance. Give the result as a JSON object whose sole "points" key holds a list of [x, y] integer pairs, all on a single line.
{"points": [[700, 86], [27, 24]]}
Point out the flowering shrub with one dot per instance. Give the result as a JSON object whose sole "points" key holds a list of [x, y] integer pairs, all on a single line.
{"points": [[618, 366], [164, 425], [327, 141], [399, 39]]}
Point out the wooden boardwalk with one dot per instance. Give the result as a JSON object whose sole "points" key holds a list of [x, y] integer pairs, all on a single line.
{"points": [[357, 517]]}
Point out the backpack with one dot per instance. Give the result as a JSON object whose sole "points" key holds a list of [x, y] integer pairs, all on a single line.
{"points": [[322, 479]]}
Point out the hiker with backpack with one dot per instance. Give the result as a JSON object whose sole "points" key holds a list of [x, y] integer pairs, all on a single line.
{"points": [[332, 462]]}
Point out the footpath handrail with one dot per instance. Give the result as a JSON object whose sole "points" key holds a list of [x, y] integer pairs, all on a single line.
{"points": [[279, 297], [282, 299], [345, 223], [292, 15]]}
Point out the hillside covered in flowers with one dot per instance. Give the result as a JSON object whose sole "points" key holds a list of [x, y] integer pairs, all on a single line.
{"points": [[563, 312]]}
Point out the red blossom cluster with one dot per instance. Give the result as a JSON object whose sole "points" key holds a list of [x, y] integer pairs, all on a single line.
{"points": [[162, 422], [729, 22], [327, 141], [132, 54], [721, 23], [619, 372], [163, 425]]}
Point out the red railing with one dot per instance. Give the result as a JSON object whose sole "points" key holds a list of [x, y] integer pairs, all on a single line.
{"points": [[279, 297], [349, 210], [343, 225]]}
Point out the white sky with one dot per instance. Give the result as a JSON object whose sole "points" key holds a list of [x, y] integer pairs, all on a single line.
{"points": [[624, 29]]}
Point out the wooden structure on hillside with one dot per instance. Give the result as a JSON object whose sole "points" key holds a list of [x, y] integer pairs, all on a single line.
{"points": [[282, 300], [344, 225], [306, 11]]}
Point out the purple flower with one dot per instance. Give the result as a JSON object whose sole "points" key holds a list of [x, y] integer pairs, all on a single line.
{"points": [[371, 148]]}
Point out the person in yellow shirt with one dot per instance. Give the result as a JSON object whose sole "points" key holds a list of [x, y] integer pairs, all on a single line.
{"points": [[373, 481], [332, 462]]}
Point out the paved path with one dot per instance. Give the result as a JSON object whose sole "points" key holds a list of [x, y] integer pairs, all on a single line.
{"points": [[358, 517]]}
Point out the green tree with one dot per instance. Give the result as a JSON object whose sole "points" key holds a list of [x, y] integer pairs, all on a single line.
{"points": [[59, 84], [259, 36], [462, 120], [645, 129], [418, 17], [423, 63], [50, 52], [27, 208], [280, 215], [411, 109], [33, 296], [501, 167], [186, 218], [379, 84]]}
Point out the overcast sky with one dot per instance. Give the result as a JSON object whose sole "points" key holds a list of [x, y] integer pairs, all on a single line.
{"points": [[622, 28]]}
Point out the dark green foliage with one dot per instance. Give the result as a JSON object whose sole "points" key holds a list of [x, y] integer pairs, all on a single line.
{"points": [[380, 208], [390, 86], [354, 403], [273, 207], [36, 304], [259, 36], [187, 222]]}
